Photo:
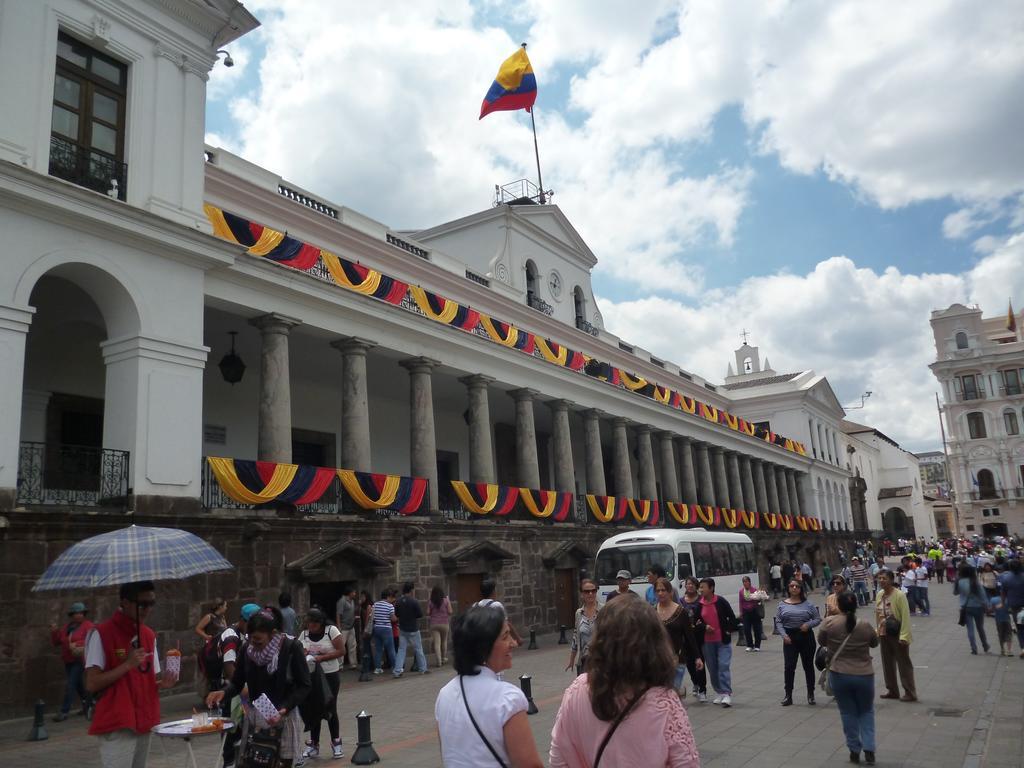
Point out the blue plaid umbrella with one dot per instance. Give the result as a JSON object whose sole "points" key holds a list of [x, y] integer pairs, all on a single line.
{"points": [[132, 554]]}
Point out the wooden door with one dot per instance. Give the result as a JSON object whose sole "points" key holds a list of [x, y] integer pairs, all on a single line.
{"points": [[565, 596], [467, 590]]}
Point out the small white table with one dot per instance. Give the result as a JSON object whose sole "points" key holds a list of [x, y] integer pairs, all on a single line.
{"points": [[182, 729]]}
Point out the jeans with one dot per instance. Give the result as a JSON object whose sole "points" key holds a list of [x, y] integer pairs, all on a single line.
{"points": [[801, 646], [752, 628], [404, 638], [976, 618], [383, 644], [74, 688], [680, 677], [717, 658], [912, 603], [1014, 611], [860, 589], [922, 600], [855, 697]]}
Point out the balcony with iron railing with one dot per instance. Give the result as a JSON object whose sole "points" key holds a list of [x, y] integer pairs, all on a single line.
{"points": [[966, 396], [1011, 390], [586, 326], [88, 168], [536, 302], [72, 476]]}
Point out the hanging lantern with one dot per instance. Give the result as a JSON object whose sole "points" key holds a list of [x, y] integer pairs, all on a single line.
{"points": [[231, 366]]}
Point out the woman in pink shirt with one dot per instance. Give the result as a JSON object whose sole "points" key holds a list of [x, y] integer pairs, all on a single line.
{"points": [[439, 612], [622, 710]]}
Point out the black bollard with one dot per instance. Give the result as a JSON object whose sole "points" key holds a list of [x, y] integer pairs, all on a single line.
{"points": [[365, 754], [366, 672], [533, 641], [38, 732], [561, 635], [526, 683]]}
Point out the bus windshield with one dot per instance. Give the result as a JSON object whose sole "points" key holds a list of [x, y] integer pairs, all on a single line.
{"points": [[636, 560]]}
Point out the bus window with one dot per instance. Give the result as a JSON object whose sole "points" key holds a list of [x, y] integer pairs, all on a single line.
{"points": [[685, 566], [636, 560], [742, 558], [722, 562], [703, 563]]}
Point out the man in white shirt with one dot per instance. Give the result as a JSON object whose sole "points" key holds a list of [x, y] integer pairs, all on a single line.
{"points": [[921, 578], [909, 585], [775, 573]]}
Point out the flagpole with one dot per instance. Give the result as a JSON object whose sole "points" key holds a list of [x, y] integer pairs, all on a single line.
{"points": [[949, 475], [536, 153]]}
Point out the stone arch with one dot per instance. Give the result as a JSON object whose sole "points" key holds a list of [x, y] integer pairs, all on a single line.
{"points": [[579, 302], [116, 296], [986, 484], [897, 522]]}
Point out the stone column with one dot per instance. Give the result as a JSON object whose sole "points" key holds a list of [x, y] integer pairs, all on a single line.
{"points": [[669, 478], [621, 472], [735, 485], [794, 503], [760, 492], [801, 498], [14, 325], [773, 491], [594, 454], [689, 476], [783, 490], [355, 403], [561, 443], [275, 414], [720, 476], [527, 466], [481, 450], [707, 486], [422, 442], [747, 480], [645, 459]]}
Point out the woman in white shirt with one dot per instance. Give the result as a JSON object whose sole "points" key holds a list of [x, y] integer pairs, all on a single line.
{"points": [[481, 720], [322, 642]]}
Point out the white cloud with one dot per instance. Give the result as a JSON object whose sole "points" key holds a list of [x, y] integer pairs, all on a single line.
{"points": [[860, 328]]}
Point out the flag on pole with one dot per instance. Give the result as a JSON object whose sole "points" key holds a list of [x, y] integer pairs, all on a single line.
{"points": [[513, 88], [1011, 319]]}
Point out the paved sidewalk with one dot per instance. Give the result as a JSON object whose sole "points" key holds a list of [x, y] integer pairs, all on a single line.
{"points": [[970, 712]]}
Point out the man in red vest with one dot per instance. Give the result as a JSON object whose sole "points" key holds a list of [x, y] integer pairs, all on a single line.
{"points": [[122, 668]]}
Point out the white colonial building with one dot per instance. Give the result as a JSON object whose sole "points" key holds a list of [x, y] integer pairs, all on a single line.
{"points": [[980, 364]]}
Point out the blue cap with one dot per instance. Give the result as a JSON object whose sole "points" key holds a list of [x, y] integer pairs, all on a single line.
{"points": [[76, 608], [248, 610]]}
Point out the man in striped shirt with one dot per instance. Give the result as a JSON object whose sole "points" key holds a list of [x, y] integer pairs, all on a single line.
{"points": [[859, 573], [384, 618]]}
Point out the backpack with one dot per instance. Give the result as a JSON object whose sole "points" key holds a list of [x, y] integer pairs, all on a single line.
{"points": [[211, 659]]}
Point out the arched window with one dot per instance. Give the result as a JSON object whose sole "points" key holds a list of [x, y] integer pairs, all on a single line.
{"points": [[579, 305], [986, 485], [1010, 423], [531, 281], [976, 425], [961, 340], [814, 438]]}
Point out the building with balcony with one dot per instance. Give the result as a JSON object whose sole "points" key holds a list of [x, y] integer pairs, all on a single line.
{"points": [[189, 340], [979, 363]]}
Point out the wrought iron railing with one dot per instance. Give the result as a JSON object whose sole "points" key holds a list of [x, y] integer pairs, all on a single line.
{"points": [[88, 168], [974, 395], [415, 250], [334, 501], [586, 326], [536, 302], [72, 475]]}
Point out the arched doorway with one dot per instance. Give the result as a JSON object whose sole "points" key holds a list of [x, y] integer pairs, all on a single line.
{"points": [[532, 278], [896, 523], [986, 485]]}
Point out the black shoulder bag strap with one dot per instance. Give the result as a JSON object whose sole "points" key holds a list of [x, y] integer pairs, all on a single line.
{"points": [[618, 720], [478, 731]]}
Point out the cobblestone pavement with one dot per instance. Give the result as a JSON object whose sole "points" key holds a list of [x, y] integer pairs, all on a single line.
{"points": [[970, 712]]}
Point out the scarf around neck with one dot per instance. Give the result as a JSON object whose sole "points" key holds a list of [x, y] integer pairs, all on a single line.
{"points": [[267, 655]]}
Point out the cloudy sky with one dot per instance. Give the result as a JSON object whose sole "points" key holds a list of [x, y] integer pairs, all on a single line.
{"points": [[822, 173]]}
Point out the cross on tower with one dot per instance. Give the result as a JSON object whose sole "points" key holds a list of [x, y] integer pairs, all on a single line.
{"points": [[744, 333]]}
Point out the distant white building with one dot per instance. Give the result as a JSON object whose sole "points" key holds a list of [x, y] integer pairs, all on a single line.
{"points": [[979, 363]]}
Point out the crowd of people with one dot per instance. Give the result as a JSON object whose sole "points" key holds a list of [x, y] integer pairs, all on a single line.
{"points": [[278, 675]]}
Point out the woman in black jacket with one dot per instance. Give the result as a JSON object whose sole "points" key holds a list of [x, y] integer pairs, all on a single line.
{"points": [[691, 603], [679, 626], [274, 665]]}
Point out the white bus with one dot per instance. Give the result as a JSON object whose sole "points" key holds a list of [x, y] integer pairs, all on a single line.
{"points": [[682, 552]]}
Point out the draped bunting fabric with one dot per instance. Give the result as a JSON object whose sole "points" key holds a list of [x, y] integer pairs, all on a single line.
{"points": [[729, 517], [265, 242], [486, 498], [553, 504], [679, 512], [787, 522], [644, 511], [708, 515], [750, 519], [606, 509], [360, 279], [261, 482]]}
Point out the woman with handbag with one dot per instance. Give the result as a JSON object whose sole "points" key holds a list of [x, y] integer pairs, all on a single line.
{"points": [[851, 674], [481, 719], [272, 666], [795, 619], [622, 710], [973, 605], [690, 601], [583, 628], [752, 614], [679, 626], [323, 644]]}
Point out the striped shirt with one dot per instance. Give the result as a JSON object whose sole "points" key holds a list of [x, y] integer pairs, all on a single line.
{"points": [[382, 613], [793, 616], [859, 572]]}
